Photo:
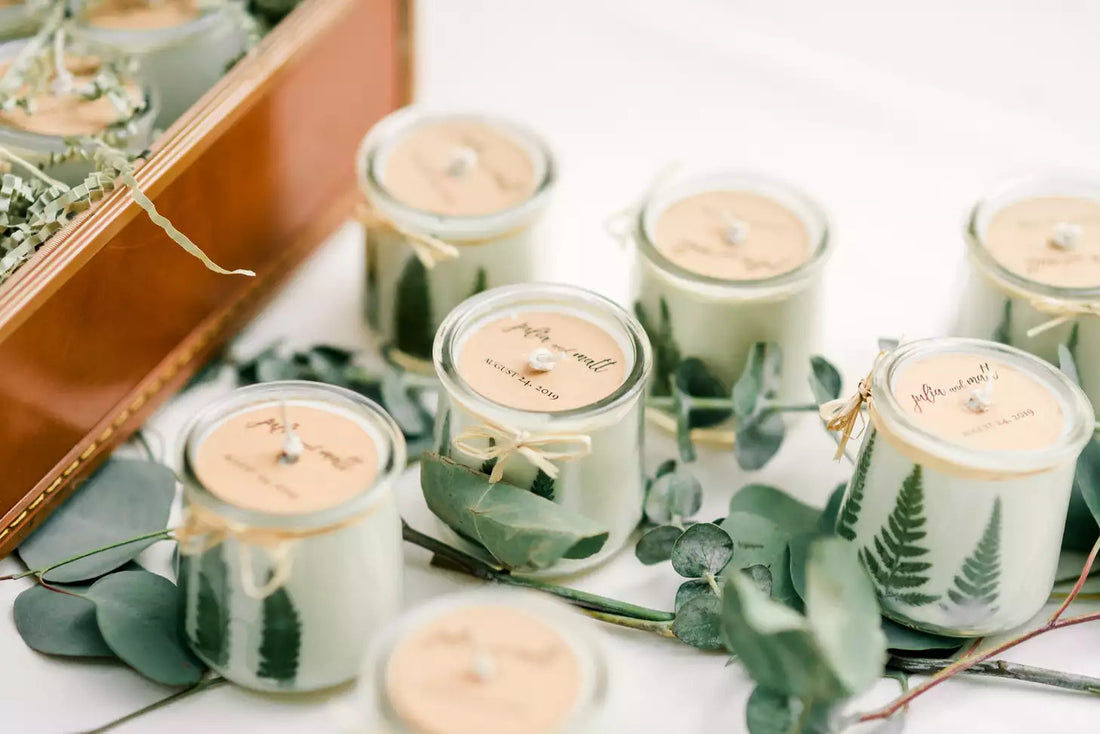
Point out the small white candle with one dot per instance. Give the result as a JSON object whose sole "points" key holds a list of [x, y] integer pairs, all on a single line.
{"points": [[1034, 245], [725, 260], [291, 547], [960, 490], [184, 49], [483, 355], [454, 205], [488, 663]]}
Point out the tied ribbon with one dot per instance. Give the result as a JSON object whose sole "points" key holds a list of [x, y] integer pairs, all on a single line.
{"points": [[1062, 311], [842, 414], [504, 441], [428, 249]]}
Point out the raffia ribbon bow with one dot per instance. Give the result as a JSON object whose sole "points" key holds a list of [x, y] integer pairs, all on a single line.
{"points": [[1062, 311], [842, 414], [428, 249], [504, 441]]}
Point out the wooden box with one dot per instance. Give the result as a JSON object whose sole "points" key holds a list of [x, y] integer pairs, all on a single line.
{"points": [[110, 317]]}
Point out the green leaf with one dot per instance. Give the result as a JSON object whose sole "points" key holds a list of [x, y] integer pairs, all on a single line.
{"points": [[655, 546], [139, 616], [481, 282], [843, 613], [758, 439], [1003, 332], [800, 556], [900, 637], [402, 405], [756, 541], [691, 589], [791, 515], [894, 558], [825, 380], [1084, 502], [211, 635], [698, 622], [768, 712], [281, 638], [675, 494], [542, 485], [977, 585], [853, 505], [694, 379], [413, 328], [682, 413], [759, 380], [826, 524], [519, 529], [57, 623], [443, 434], [666, 354], [126, 498], [702, 549]]}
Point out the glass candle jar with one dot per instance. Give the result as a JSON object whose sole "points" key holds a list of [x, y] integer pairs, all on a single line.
{"points": [[18, 19], [291, 557], [453, 207], [487, 662], [724, 260], [536, 371], [38, 136], [1034, 245], [184, 48], [961, 486]]}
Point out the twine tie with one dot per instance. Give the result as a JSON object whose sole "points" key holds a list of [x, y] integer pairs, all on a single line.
{"points": [[536, 448]]}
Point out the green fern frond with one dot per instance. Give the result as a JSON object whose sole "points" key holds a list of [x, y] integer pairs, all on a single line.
{"points": [[979, 578], [853, 505]]}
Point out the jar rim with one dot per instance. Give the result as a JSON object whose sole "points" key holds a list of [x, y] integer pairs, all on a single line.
{"points": [[150, 38], [1019, 188], [808, 210], [509, 298], [246, 398], [557, 615], [1078, 426], [395, 125]]}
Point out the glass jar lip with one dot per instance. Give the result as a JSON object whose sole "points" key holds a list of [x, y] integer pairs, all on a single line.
{"points": [[1017, 188], [56, 143], [511, 297], [812, 214], [1077, 411], [264, 393], [568, 623], [151, 38], [387, 131]]}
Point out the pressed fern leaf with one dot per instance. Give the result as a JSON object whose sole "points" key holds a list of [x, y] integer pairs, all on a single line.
{"points": [[978, 581], [543, 485], [211, 637], [414, 331], [849, 514], [281, 640], [1003, 332], [892, 562]]}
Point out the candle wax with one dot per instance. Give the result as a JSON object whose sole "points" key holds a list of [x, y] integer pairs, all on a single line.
{"points": [[484, 670], [459, 168], [495, 360], [142, 15], [241, 460], [1022, 413], [68, 114], [1019, 238], [732, 235]]}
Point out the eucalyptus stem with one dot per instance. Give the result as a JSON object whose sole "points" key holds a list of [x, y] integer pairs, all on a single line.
{"points": [[664, 629], [203, 685], [1001, 669], [41, 572], [593, 604], [970, 661]]}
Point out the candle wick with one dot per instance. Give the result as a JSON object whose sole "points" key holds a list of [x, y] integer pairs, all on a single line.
{"points": [[292, 442], [543, 360], [482, 665], [736, 231], [1066, 236], [462, 160], [981, 399]]}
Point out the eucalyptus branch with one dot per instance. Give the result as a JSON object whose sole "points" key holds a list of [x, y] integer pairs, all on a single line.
{"points": [[203, 685], [1000, 669], [601, 607], [970, 661], [41, 572]]}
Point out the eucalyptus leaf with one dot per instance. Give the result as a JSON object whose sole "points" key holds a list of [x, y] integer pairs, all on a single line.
{"points": [[702, 549], [759, 380], [140, 617], [1068, 364], [760, 575], [59, 622], [698, 622], [655, 546], [673, 495], [125, 499], [826, 524], [404, 407], [693, 378], [789, 514], [769, 712], [825, 380], [682, 410], [756, 540], [758, 439], [691, 589], [1087, 477], [800, 554], [520, 529], [900, 637], [1083, 513]]}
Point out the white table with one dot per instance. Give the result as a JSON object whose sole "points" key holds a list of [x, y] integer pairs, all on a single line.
{"points": [[895, 119]]}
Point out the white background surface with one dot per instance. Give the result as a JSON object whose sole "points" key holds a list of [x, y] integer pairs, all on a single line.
{"points": [[895, 117]]}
